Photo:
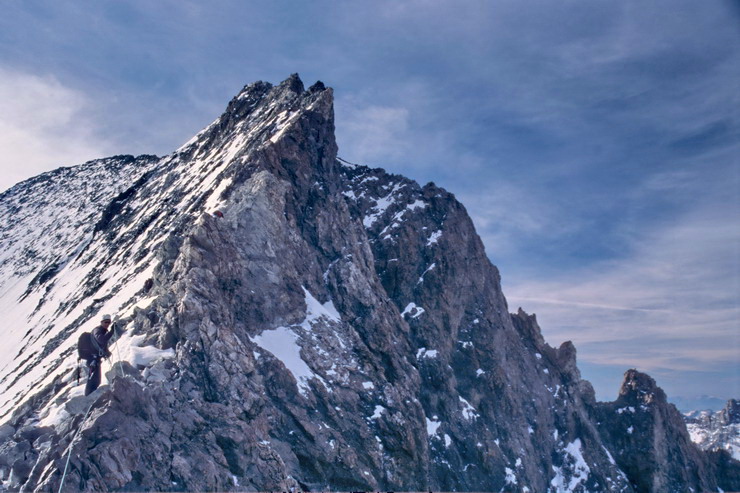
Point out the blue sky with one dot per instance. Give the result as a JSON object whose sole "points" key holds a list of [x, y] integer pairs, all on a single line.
{"points": [[595, 144]]}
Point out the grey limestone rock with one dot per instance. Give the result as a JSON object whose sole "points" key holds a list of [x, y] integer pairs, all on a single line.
{"points": [[294, 321]]}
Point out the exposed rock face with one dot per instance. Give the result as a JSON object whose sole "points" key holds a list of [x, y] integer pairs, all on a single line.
{"points": [[332, 327], [650, 443]]}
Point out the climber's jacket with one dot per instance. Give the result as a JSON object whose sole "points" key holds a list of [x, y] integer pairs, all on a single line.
{"points": [[101, 337]]}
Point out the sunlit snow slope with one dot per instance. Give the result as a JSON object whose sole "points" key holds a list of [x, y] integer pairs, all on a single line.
{"points": [[79, 242], [294, 322], [47, 226]]}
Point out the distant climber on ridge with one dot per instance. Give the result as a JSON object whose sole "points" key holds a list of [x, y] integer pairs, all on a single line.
{"points": [[93, 347]]}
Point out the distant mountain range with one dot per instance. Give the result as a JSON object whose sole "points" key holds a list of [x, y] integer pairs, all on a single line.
{"points": [[701, 403], [717, 430]]}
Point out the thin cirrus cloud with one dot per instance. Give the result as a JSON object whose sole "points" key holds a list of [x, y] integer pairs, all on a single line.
{"points": [[669, 307], [594, 144]]}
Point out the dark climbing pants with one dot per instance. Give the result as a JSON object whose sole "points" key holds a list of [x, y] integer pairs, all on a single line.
{"points": [[93, 376]]}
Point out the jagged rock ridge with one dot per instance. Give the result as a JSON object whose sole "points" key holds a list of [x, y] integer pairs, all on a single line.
{"points": [[338, 328], [716, 430]]}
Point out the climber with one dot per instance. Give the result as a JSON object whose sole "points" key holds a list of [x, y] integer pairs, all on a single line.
{"points": [[101, 335]]}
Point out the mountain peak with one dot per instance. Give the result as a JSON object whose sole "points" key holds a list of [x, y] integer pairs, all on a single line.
{"points": [[293, 83], [731, 412], [279, 312], [293, 86], [261, 113], [638, 387]]}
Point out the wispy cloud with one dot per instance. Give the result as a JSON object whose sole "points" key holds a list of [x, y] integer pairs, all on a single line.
{"points": [[579, 304], [600, 167], [374, 133], [670, 306], [594, 144], [43, 125]]}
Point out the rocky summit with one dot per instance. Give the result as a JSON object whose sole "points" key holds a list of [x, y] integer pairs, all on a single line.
{"points": [[291, 321]]}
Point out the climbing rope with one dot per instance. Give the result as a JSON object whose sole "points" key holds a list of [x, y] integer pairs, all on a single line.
{"points": [[69, 454], [118, 351]]}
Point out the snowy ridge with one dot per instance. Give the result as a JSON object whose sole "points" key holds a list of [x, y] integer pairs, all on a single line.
{"points": [[104, 238], [392, 201], [42, 270], [716, 430], [45, 221], [291, 321]]}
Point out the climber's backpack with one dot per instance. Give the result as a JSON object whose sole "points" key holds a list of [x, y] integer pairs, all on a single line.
{"points": [[87, 347]]}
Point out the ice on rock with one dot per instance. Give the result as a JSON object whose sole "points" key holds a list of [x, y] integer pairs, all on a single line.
{"points": [[574, 471], [426, 353], [282, 342], [434, 237], [378, 412], [413, 310], [132, 350], [510, 476], [468, 411], [433, 425]]}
